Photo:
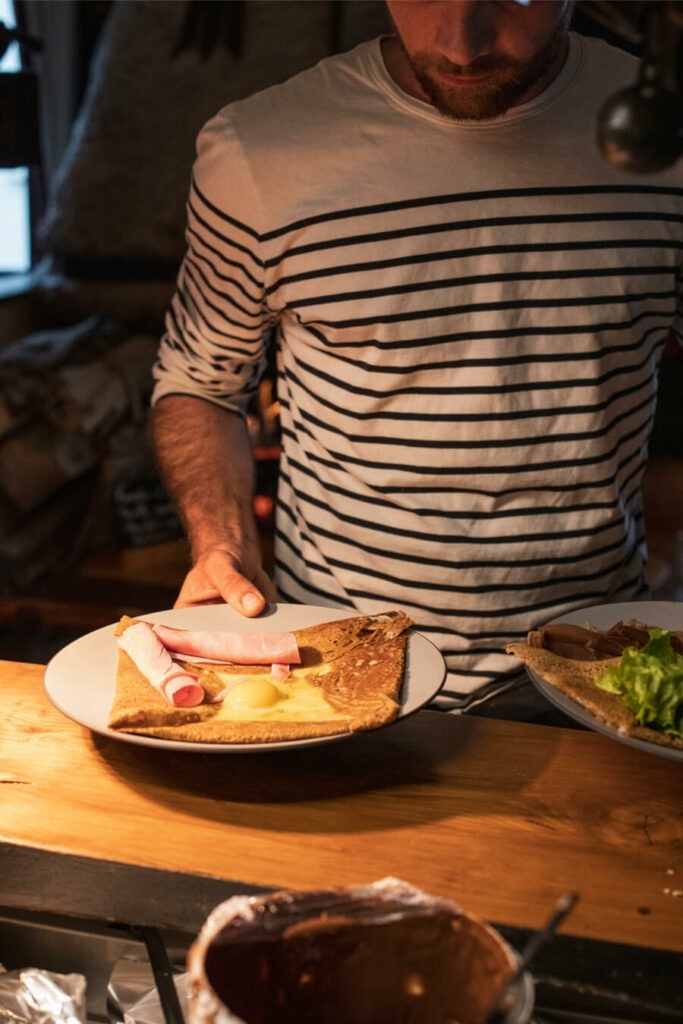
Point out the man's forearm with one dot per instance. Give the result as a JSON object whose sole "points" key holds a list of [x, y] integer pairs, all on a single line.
{"points": [[207, 464]]}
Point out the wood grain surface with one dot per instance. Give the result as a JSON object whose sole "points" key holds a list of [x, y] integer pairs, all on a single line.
{"points": [[503, 817]]}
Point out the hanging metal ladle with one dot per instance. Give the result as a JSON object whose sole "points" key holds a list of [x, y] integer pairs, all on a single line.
{"points": [[538, 940], [639, 128]]}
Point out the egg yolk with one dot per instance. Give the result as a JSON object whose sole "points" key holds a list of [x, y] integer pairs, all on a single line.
{"points": [[253, 693]]}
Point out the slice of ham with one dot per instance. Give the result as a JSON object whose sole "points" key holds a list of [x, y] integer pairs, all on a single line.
{"points": [[239, 648], [179, 687]]}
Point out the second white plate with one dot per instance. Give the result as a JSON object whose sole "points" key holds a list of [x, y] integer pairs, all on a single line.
{"points": [[665, 614]]}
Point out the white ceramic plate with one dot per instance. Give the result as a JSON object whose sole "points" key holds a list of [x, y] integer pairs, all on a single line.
{"points": [[81, 679], [666, 614]]}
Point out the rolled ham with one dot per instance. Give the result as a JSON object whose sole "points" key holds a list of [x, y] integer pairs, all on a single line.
{"points": [[239, 648], [178, 686]]}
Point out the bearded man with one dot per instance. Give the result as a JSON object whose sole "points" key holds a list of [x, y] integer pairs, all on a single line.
{"points": [[468, 307]]}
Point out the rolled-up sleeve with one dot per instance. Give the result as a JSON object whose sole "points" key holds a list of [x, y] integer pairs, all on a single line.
{"points": [[218, 323]]}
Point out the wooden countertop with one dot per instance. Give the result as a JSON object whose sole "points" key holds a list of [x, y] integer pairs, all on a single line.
{"points": [[503, 817]]}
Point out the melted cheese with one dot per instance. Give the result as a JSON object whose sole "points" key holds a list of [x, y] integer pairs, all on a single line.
{"points": [[263, 698]]}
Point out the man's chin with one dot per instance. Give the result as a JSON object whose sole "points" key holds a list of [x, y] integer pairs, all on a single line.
{"points": [[470, 103]]}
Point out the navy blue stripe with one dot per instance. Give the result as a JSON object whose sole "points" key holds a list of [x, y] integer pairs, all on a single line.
{"points": [[514, 194], [477, 223], [457, 444], [349, 384], [522, 512], [525, 331], [193, 271], [222, 215], [200, 256], [450, 587], [196, 266], [204, 301], [464, 281], [439, 538], [505, 305], [503, 611], [371, 266], [551, 486], [403, 416]]}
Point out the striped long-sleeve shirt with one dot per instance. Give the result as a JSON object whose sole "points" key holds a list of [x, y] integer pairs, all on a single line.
{"points": [[468, 319]]}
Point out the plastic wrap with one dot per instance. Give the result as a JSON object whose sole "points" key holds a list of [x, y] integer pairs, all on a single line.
{"points": [[134, 994]]}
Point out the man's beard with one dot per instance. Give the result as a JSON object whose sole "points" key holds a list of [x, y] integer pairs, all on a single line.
{"points": [[509, 79]]}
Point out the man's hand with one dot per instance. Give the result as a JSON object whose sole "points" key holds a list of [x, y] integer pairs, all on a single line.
{"points": [[220, 574]]}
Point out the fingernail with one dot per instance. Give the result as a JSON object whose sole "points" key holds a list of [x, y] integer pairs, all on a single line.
{"points": [[251, 603]]}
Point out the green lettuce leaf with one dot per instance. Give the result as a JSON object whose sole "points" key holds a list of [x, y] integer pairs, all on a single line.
{"points": [[650, 679]]}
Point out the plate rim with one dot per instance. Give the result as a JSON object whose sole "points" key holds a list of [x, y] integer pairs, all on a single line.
{"points": [[322, 612], [576, 710]]}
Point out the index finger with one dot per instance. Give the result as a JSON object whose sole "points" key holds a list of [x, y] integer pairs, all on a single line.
{"points": [[237, 591]]}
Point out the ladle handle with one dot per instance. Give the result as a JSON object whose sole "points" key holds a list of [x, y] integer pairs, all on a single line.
{"points": [[537, 941]]}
